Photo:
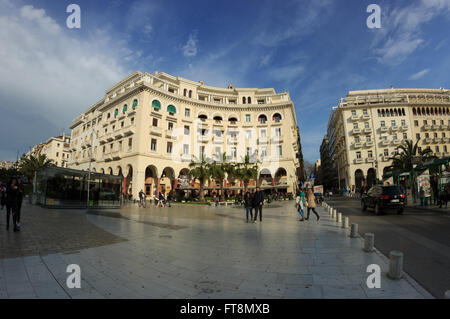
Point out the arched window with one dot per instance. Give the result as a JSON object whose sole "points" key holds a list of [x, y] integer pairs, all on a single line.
{"points": [[171, 109], [184, 92], [156, 104], [190, 93], [243, 100], [395, 112], [276, 117], [262, 119], [249, 100], [203, 117], [135, 104], [217, 118], [414, 111], [383, 113], [116, 112], [124, 109], [232, 119], [403, 112], [379, 113]]}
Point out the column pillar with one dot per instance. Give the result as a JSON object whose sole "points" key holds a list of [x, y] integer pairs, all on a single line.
{"points": [[158, 180], [273, 181], [138, 182], [175, 184]]}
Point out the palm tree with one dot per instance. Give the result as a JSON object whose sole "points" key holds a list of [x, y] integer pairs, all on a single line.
{"points": [[28, 165], [218, 171], [200, 170], [246, 171], [403, 160]]}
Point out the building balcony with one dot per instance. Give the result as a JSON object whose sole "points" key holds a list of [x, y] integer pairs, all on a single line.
{"points": [[354, 118], [358, 161], [435, 126], [232, 140], [155, 130], [396, 142], [109, 137], [356, 131], [436, 140], [426, 127], [170, 135], [218, 139], [404, 127], [366, 116], [118, 134], [357, 145], [370, 160], [385, 142], [262, 140], [203, 137], [107, 156], [427, 140], [439, 154], [443, 127], [369, 143], [385, 158], [128, 130], [367, 130], [394, 128], [445, 140], [276, 139], [116, 155], [383, 129]]}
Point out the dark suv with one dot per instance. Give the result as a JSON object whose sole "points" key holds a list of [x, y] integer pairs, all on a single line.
{"points": [[382, 198]]}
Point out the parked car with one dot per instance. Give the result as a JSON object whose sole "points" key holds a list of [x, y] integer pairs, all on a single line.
{"points": [[383, 198]]}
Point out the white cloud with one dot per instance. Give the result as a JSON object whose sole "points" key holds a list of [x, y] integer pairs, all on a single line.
{"points": [[287, 74], [190, 48], [419, 74], [400, 34], [46, 70], [266, 59]]}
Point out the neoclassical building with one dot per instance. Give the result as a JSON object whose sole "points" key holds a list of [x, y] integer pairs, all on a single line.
{"points": [[149, 127], [366, 128]]}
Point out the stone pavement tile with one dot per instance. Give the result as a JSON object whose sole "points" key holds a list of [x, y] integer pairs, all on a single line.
{"points": [[303, 292], [39, 272], [49, 290], [295, 279], [275, 290], [352, 291], [331, 279], [20, 290]]}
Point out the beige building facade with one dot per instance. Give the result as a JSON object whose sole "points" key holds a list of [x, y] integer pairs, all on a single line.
{"points": [[55, 148], [149, 127], [366, 127]]}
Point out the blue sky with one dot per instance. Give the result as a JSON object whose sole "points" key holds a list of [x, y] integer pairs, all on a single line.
{"points": [[317, 50]]}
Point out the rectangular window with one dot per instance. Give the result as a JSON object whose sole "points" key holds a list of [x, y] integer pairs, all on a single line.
{"points": [[57, 153], [201, 151], [437, 149], [403, 122], [248, 118], [386, 152], [280, 150], [364, 112], [355, 125], [366, 125], [358, 155], [248, 134], [187, 112], [416, 123], [153, 145], [233, 152], [405, 136], [368, 138], [263, 152], [186, 130], [357, 139], [369, 154], [353, 112], [186, 149], [169, 147], [427, 135], [218, 152], [130, 144], [434, 122], [132, 120], [382, 124], [393, 123], [278, 132], [169, 126], [122, 124], [443, 134], [425, 122], [155, 122], [263, 133], [394, 137], [445, 148]]}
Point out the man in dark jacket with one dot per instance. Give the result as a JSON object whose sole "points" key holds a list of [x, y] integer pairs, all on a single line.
{"points": [[257, 203], [12, 194]]}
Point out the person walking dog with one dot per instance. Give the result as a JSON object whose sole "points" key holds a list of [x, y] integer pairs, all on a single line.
{"points": [[311, 200]]}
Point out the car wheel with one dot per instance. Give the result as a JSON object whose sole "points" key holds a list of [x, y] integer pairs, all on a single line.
{"points": [[377, 209], [363, 206], [400, 211]]}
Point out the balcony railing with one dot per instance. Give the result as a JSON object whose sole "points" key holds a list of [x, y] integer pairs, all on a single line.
{"points": [[445, 140], [435, 126], [444, 127], [427, 140], [356, 131], [369, 143], [155, 130], [366, 116], [396, 142], [367, 130], [394, 128], [436, 140], [426, 127], [357, 144], [404, 127], [370, 160], [385, 142], [383, 129], [354, 118], [358, 160]]}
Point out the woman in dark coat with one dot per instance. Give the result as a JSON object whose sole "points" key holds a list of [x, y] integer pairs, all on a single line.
{"points": [[12, 197], [248, 205]]}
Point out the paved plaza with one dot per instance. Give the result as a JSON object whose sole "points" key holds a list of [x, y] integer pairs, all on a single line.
{"points": [[189, 252]]}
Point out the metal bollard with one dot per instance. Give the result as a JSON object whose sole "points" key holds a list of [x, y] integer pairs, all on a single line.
{"points": [[329, 210], [345, 222], [447, 294], [334, 213], [354, 230], [369, 240], [395, 265], [339, 218]]}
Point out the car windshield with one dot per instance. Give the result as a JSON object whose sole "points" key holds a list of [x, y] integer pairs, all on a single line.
{"points": [[391, 190]]}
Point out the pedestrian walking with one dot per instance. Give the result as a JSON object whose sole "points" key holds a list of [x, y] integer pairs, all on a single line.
{"points": [[141, 199], [300, 200], [20, 196], [3, 196], [311, 204], [161, 200], [12, 193], [248, 205], [170, 198], [257, 203]]}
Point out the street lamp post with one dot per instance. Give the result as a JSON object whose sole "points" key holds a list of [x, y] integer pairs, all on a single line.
{"points": [[89, 169]]}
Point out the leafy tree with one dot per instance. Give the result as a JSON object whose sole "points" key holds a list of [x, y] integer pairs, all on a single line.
{"points": [[200, 169], [218, 172], [28, 165], [246, 171]]}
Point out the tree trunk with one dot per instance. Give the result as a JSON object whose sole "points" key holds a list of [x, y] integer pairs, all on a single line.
{"points": [[222, 191], [245, 187], [202, 195]]}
